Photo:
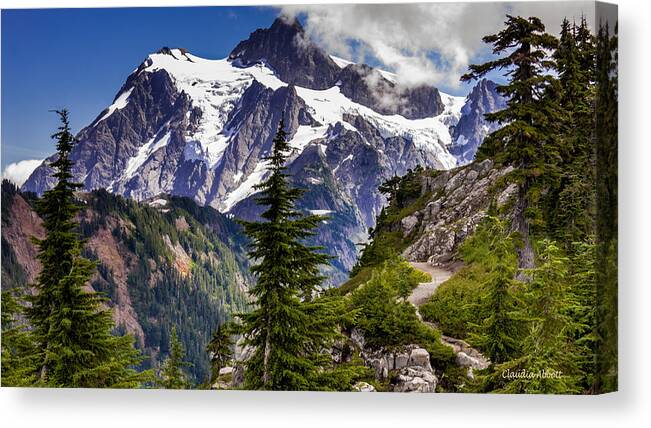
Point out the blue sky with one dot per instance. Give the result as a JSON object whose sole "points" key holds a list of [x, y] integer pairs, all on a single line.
{"points": [[79, 59]]}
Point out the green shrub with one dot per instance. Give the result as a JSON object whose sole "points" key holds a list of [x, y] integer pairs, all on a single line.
{"points": [[454, 306]]}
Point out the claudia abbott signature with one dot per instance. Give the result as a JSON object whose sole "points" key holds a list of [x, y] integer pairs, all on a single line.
{"points": [[527, 374]]}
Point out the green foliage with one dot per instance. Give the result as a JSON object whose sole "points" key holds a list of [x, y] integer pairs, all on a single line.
{"points": [[71, 327], [197, 301], [606, 127], [172, 375], [500, 332], [522, 51], [287, 329], [220, 349], [383, 316], [19, 350], [455, 307], [404, 198], [548, 346]]}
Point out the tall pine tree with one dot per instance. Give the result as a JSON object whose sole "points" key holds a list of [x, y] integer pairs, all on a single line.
{"points": [[71, 325], [525, 141], [282, 329], [499, 335], [172, 375], [220, 349], [606, 127]]}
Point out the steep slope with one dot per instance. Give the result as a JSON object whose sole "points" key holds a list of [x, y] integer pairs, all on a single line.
{"points": [[162, 263], [189, 126], [472, 127]]}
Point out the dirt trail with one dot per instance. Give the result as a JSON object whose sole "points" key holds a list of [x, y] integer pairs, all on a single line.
{"points": [[424, 291], [467, 356]]}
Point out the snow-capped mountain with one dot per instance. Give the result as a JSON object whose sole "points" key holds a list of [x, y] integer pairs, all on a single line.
{"points": [[472, 127], [200, 128]]}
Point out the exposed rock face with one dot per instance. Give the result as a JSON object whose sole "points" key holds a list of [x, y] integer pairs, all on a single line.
{"points": [[460, 200], [105, 146], [188, 126], [143, 286], [289, 51], [472, 127], [367, 86], [415, 379], [467, 356], [18, 228], [419, 357]]}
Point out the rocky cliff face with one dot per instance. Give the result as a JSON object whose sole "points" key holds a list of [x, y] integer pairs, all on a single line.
{"points": [[473, 127], [189, 126], [460, 200], [368, 87], [289, 52]]}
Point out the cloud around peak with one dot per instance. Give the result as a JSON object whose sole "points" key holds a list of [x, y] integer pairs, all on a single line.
{"points": [[431, 43]]}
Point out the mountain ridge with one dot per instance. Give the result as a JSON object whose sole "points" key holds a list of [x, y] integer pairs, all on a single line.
{"points": [[200, 128]]}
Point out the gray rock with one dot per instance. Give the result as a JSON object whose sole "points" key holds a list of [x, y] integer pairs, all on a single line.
{"points": [[226, 370], [366, 86], [289, 51], [363, 387], [408, 224], [472, 128], [415, 379], [401, 360], [419, 357]]}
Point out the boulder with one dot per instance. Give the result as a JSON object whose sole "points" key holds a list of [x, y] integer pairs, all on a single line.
{"points": [[419, 357], [363, 387], [465, 360], [380, 366], [408, 224], [401, 360], [415, 379], [225, 370]]}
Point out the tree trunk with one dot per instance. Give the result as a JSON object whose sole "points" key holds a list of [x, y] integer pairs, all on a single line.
{"points": [[521, 226]]}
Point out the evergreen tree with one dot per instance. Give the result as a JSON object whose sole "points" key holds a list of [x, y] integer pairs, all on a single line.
{"points": [[172, 375], [220, 349], [71, 326], [19, 351], [606, 127], [570, 200], [282, 329], [549, 352], [525, 140], [499, 335]]}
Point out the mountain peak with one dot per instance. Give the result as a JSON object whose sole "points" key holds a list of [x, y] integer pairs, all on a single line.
{"points": [[288, 50], [287, 23]]}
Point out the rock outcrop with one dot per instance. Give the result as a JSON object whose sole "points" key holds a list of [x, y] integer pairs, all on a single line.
{"points": [[473, 127], [368, 87], [460, 200], [291, 54]]}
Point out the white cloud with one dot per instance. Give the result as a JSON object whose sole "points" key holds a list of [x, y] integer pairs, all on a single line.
{"points": [[429, 43], [19, 172]]}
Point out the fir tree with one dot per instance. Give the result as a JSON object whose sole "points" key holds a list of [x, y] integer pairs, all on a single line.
{"points": [[220, 350], [71, 326], [172, 375], [19, 351], [548, 348], [570, 200], [606, 127], [499, 335], [526, 139], [283, 329]]}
